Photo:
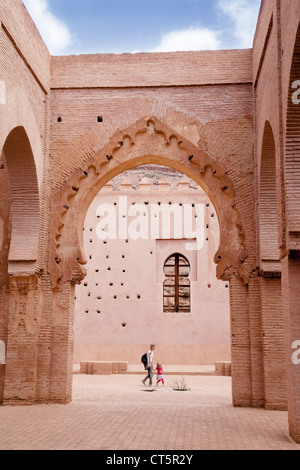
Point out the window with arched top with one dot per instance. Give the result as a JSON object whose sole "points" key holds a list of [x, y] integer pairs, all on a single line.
{"points": [[177, 286]]}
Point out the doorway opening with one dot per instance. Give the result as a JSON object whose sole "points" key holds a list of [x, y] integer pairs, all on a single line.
{"points": [[136, 225]]}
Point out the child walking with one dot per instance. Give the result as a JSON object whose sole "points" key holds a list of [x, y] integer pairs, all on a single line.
{"points": [[160, 374]]}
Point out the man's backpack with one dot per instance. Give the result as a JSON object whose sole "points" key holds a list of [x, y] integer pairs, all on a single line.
{"points": [[144, 360]]}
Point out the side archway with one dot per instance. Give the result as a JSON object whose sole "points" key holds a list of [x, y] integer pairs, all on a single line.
{"points": [[268, 222], [270, 278], [25, 210]]}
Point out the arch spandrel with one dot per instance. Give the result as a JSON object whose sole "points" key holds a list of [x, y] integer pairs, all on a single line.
{"points": [[148, 141]]}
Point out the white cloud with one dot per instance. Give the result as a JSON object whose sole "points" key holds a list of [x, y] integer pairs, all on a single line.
{"points": [[243, 15], [54, 32], [193, 39]]}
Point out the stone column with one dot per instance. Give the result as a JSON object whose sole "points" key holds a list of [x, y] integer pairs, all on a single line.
{"points": [[256, 338], [61, 373], [44, 340], [273, 342], [291, 309], [240, 344], [21, 357]]}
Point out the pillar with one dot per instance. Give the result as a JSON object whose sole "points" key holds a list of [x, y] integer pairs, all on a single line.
{"points": [[256, 339], [273, 343], [21, 357], [291, 308], [61, 373], [240, 344]]}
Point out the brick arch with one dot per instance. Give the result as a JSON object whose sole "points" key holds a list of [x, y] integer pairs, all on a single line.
{"points": [[292, 149], [147, 141], [24, 195], [268, 222]]}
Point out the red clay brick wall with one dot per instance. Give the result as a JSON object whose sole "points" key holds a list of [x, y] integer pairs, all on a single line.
{"points": [[25, 72], [151, 69]]}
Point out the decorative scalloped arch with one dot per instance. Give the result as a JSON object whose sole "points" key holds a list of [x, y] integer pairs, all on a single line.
{"points": [[147, 141]]}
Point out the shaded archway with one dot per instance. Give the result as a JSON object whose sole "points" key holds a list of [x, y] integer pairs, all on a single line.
{"points": [[270, 278], [292, 149], [19, 247], [25, 210], [268, 223]]}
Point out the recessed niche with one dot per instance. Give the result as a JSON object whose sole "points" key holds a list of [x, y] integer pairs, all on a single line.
{"points": [[98, 311], [59, 119], [115, 297], [138, 296], [124, 324], [99, 119]]}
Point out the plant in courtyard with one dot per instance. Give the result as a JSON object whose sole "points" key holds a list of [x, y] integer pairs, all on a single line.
{"points": [[180, 385]]}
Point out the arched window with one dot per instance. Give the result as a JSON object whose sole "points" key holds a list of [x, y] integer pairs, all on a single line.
{"points": [[177, 287]]}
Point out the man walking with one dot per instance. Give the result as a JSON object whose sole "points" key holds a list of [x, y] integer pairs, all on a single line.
{"points": [[149, 365]]}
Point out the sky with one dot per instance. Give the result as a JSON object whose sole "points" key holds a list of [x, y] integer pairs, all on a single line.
{"points": [[131, 26]]}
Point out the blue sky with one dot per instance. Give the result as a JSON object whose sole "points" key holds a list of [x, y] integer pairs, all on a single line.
{"points": [[117, 26]]}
